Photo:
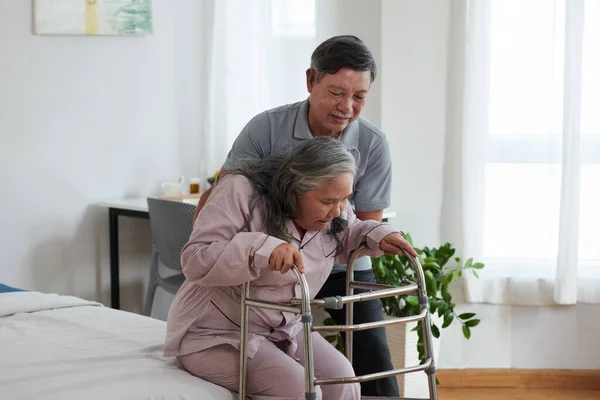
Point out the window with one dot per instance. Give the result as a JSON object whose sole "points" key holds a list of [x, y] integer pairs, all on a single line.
{"points": [[542, 148], [293, 17], [291, 43]]}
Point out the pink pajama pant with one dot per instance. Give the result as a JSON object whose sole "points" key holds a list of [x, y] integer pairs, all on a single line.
{"points": [[272, 374]]}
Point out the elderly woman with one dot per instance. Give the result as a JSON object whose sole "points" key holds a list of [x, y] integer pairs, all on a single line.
{"points": [[271, 214]]}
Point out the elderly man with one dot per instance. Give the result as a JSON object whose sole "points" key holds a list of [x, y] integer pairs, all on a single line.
{"points": [[341, 72]]}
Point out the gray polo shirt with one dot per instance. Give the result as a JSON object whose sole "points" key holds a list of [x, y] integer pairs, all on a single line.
{"points": [[284, 127]]}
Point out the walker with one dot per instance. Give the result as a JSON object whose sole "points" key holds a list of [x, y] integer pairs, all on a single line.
{"points": [[375, 291]]}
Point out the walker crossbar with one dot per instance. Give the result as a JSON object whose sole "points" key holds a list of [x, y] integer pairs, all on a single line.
{"points": [[368, 325], [376, 375], [386, 291], [302, 306]]}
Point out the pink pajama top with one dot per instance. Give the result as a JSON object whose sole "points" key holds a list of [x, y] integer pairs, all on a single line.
{"points": [[222, 253]]}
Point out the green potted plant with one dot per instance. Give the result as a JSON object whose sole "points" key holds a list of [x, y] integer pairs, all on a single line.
{"points": [[440, 269]]}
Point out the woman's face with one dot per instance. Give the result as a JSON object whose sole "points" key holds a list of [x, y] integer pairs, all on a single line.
{"points": [[319, 206]]}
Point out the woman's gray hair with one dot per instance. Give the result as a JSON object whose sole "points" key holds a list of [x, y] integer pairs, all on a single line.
{"points": [[281, 177]]}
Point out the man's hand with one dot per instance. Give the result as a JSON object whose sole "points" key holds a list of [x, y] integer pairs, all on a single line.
{"points": [[394, 243], [284, 257]]}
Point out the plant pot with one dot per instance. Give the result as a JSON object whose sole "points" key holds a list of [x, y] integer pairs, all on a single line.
{"points": [[403, 347]]}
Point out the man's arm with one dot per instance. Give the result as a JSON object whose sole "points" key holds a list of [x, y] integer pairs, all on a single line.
{"points": [[373, 191], [376, 215]]}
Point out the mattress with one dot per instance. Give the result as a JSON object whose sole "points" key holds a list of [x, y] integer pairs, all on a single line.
{"points": [[62, 347]]}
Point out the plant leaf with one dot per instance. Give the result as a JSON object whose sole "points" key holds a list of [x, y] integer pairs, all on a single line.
{"points": [[454, 275], [478, 265], [433, 305], [442, 307], [435, 331], [447, 297], [472, 322], [448, 318], [432, 266], [476, 274], [466, 332], [444, 289], [431, 283], [412, 300], [468, 315]]}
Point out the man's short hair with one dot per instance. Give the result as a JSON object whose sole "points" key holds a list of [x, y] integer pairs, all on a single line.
{"points": [[345, 51]]}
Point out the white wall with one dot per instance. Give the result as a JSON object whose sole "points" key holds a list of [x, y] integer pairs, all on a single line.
{"points": [[414, 43], [414, 48], [83, 119], [360, 18], [561, 337]]}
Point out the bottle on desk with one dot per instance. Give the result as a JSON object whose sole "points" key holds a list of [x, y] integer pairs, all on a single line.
{"points": [[194, 185]]}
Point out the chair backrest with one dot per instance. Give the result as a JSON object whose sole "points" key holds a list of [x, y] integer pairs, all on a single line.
{"points": [[171, 223]]}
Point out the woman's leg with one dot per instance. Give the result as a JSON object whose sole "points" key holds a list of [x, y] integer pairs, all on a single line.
{"points": [[272, 374], [330, 363]]}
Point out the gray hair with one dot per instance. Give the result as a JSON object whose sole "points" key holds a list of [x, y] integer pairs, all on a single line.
{"points": [[279, 178], [345, 51]]}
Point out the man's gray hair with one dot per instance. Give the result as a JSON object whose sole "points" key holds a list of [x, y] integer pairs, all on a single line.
{"points": [[281, 177], [344, 51]]}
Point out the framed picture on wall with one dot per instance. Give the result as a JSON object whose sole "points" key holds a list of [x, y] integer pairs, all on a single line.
{"points": [[92, 17]]}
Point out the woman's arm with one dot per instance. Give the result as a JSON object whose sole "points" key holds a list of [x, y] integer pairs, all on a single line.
{"points": [[371, 233], [220, 251]]}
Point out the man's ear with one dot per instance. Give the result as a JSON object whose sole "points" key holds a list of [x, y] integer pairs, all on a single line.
{"points": [[311, 79]]}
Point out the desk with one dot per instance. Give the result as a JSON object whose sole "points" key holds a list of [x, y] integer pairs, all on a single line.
{"points": [[137, 208], [130, 207]]}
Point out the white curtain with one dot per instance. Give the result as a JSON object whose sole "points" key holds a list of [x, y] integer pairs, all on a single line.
{"points": [[523, 149], [257, 52]]}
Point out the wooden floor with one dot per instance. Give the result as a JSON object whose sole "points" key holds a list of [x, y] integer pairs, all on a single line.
{"points": [[517, 394]]}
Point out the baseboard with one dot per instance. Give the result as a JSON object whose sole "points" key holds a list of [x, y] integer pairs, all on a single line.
{"points": [[519, 378]]}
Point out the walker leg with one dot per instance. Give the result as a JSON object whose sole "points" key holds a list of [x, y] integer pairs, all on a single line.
{"points": [[309, 380], [349, 338], [307, 319], [427, 335], [244, 341], [428, 348]]}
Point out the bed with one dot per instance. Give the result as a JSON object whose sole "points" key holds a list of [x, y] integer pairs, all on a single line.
{"points": [[63, 347]]}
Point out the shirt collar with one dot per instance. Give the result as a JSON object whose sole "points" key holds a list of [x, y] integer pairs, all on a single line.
{"points": [[308, 235], [349, 136]]}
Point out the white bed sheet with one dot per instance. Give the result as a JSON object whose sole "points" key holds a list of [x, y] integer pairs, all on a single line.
{"points": [[73, 349]]}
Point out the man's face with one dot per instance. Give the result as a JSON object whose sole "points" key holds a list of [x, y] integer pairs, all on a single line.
{"points": [[336, 100]]}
